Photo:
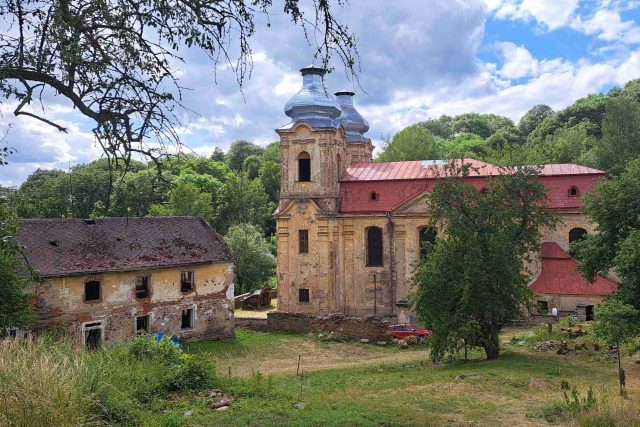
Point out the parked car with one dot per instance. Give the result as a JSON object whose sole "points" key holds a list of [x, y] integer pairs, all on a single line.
{"points": [[403, 330]]}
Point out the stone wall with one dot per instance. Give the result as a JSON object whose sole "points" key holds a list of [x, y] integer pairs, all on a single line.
{"points": [[252, 323], [346, 327], [61, 306]]}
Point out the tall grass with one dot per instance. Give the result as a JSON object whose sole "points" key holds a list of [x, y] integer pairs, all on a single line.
{"points": [[44, 383]]}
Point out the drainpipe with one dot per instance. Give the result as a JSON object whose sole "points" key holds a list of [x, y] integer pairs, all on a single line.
{"points": [[392, 261]]}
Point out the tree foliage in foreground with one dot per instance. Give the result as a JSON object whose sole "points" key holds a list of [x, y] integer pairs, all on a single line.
{"points": [[15, 275], [254, 260], [615, 207], [116, 62], [474, 279]]}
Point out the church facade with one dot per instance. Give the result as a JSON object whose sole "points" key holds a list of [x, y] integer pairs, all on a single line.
{"points": [[350, 230]]}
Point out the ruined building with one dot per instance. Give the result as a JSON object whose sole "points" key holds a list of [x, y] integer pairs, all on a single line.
{"points": [[349, 231], [112, 278]]}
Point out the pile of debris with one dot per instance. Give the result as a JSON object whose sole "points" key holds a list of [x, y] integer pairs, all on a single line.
{"points": [[545, 346], [216, 399]]}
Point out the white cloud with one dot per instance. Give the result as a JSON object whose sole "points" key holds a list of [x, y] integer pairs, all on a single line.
{"points": [[609, 26], [553, 14], [518, 61]]}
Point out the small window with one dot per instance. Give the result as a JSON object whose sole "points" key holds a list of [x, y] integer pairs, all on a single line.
{"points": [[186, 281], [303, 295], [303, 241], [187, 319], [576, 234], [543, 307], [92, 290], [142, 324], [142, 287], [374, 247], [304, 167], [484, 191], [13, 332], [373, 196], [573, 191], [426, 234]]}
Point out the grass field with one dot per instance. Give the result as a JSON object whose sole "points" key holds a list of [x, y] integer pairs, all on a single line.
{"points": [[363, 384]]}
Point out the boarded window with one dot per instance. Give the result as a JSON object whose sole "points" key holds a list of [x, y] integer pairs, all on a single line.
{"points": [[304, 167], [303, 241], [374, 247], [187, 319], [186, 281], [576, 234], [303, 295], [573, 191], [426, 235], [142, 324], [92, 290], [142, 286]]}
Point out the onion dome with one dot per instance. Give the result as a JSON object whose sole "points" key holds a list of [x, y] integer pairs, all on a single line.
{"points": [[353, 123], [312, 104]]}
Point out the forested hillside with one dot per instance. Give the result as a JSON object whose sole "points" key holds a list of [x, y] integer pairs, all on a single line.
{"points": [[601, 130]]}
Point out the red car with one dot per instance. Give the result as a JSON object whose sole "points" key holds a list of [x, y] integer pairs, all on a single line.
{"points": [[401, 331]]}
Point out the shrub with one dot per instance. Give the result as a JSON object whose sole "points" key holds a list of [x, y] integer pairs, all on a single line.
{"points": [[193, 374]]}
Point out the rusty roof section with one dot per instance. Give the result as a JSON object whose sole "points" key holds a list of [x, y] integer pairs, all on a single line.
{"points": [[64, 247], [429, 169]]}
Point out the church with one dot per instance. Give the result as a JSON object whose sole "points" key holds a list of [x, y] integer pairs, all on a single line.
{"points": [[350, 231]]}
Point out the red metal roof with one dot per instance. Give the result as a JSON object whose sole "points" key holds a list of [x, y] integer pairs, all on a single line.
{"points": [[559, 275], [60, 247], [423, 169]]}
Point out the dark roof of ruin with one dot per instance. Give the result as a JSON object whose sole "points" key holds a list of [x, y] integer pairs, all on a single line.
{"points": [[64, 247]]}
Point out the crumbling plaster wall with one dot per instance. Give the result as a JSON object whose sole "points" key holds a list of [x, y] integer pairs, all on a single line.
{"points": [[61, 305]]}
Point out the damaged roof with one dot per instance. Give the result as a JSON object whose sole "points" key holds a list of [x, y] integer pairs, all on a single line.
{"points": [[62, 247]]}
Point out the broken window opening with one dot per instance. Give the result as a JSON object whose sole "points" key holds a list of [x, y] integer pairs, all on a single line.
{"points": [[374, 247], [187, 319], [303, 295], [93, 335], [543, 307], [303, 241], [576, 234], [304, 167], [142, 324], [92, 290], [13, 332], [142, 287], [186, 281]]}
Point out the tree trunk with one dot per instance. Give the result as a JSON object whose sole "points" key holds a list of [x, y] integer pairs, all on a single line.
{"points": [[492, 348]]}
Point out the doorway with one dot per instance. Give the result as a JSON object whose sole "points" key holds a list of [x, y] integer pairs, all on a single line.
{"points": [[93, 335], [589, 313]]}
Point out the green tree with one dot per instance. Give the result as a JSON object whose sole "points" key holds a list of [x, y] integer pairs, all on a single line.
{"points": [[241, 200], [270, 178], [271, 152], [620, 141], [239, 151], [466, 145], [251, 166], [617, 323], [254, 260], [185, 198], [412, 143], [134, 194], [475, 272], [533, 118], [15, 275], [614, 206], [217, 155], [483, 125], [441, 127]]}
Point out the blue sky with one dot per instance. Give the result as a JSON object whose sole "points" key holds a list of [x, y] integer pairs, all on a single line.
{"points": [[419, 59]]}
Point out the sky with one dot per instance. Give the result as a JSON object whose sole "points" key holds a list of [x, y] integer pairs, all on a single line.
{"points": [[419, 59]]}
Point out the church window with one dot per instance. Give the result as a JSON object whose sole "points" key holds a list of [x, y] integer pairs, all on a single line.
{"points": [[576, 234], [374, 247], [426, 234], [573, 191], [303, 295], [303, 241], [304, 167]]}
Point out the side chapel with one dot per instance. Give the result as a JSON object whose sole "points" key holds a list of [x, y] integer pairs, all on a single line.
{"points": [[349, 231]]}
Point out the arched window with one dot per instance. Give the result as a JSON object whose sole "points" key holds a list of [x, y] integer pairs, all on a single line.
{"points": [[304, 166], [576, 234], [426, 234], [374, 247], [373, 196], [573, 191]]}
